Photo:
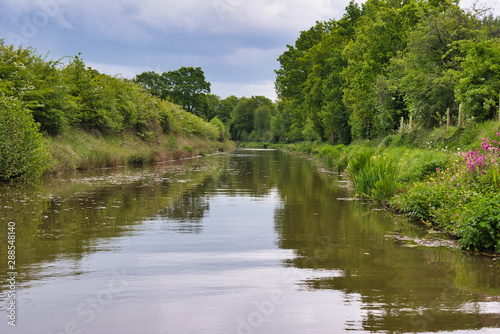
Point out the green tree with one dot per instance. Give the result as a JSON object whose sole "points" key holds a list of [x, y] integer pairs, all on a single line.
{"points": [[380, 35], [334, 114], [296, 65], [479, 80], [244, 115], [152, 83], [262, 123], [23, 153], [186, 87], [422, 73], [213, 102], [226, 107]]}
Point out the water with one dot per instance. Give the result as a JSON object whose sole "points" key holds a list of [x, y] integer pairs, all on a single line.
{"points": [[254, 241]]}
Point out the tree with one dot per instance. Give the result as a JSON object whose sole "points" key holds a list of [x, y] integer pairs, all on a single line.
{"points": [[186, 87], [153, 83], [226, 107], [244, 115], [213, 102], [479, 81], [380, 35], [423, 71]]}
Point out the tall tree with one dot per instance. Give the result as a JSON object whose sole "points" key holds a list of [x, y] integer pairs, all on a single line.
{"points": [[380, 35], [186, 87], [244, 114], [479, 80], [226, 107], [423, 71]]}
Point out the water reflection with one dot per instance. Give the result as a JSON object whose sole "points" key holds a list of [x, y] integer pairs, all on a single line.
{"points": [[203, 244], [400, 288]]}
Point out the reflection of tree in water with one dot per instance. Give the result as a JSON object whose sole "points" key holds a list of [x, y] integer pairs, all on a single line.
{"points": [[400, 289], [186, 214]]}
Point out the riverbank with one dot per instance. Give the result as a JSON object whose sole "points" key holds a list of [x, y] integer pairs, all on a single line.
{"points": [[447, 178], [80, 150]]}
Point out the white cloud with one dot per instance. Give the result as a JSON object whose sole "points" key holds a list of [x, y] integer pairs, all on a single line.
{"points": [[136, 18], [252, 56], [118, 70], [282, 16], [493, 4], [263, 88]]}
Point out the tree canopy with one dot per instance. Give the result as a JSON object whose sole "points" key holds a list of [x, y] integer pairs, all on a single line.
{"points": [[356, 77], [186, 87]]}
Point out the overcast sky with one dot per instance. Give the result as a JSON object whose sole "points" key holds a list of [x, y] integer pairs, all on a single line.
{"points": [[235, 42]]}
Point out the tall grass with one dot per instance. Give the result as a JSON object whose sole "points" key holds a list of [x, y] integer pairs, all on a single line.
{"points": [[81, 150], [374, 176]]}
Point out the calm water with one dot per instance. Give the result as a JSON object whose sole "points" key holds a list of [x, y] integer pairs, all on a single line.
{"points": [[251, 241]]}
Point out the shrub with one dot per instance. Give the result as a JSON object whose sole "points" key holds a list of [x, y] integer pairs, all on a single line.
{"points": [[220, 126], [420, 201], [479, 223], [23, 153]]}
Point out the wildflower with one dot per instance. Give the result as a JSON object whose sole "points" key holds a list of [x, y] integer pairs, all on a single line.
{"points": [[458, 184]]}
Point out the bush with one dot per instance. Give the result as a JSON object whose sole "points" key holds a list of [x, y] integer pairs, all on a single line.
{"points": [[479, 223], [220, 126], [23, 153], [420, 201]]}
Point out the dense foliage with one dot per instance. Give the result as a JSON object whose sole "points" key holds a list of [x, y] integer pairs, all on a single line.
{"points": [[54, 97], [186, 87], [358, 76], [22, 150]]}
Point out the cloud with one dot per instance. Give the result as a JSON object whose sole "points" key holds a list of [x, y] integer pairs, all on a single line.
{"points": [[132, 19], [121, 71], [259, 88], [252, 56], [280, 16]]}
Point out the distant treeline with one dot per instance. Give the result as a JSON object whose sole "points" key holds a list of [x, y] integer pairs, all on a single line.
{"points": [[243, 118], [358, 76]]}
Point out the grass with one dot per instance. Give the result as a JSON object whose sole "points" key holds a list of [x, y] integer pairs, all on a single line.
{"points": [[80, 150]]}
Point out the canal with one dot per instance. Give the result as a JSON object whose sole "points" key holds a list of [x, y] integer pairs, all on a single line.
{"points": [[250, 241]]}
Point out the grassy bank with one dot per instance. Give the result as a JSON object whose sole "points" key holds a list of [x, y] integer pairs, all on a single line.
{"points": [[58, 116], [447, 178], [80, 150]]}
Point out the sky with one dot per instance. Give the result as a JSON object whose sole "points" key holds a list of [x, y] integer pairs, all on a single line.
{"points": [[235, 42]]}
